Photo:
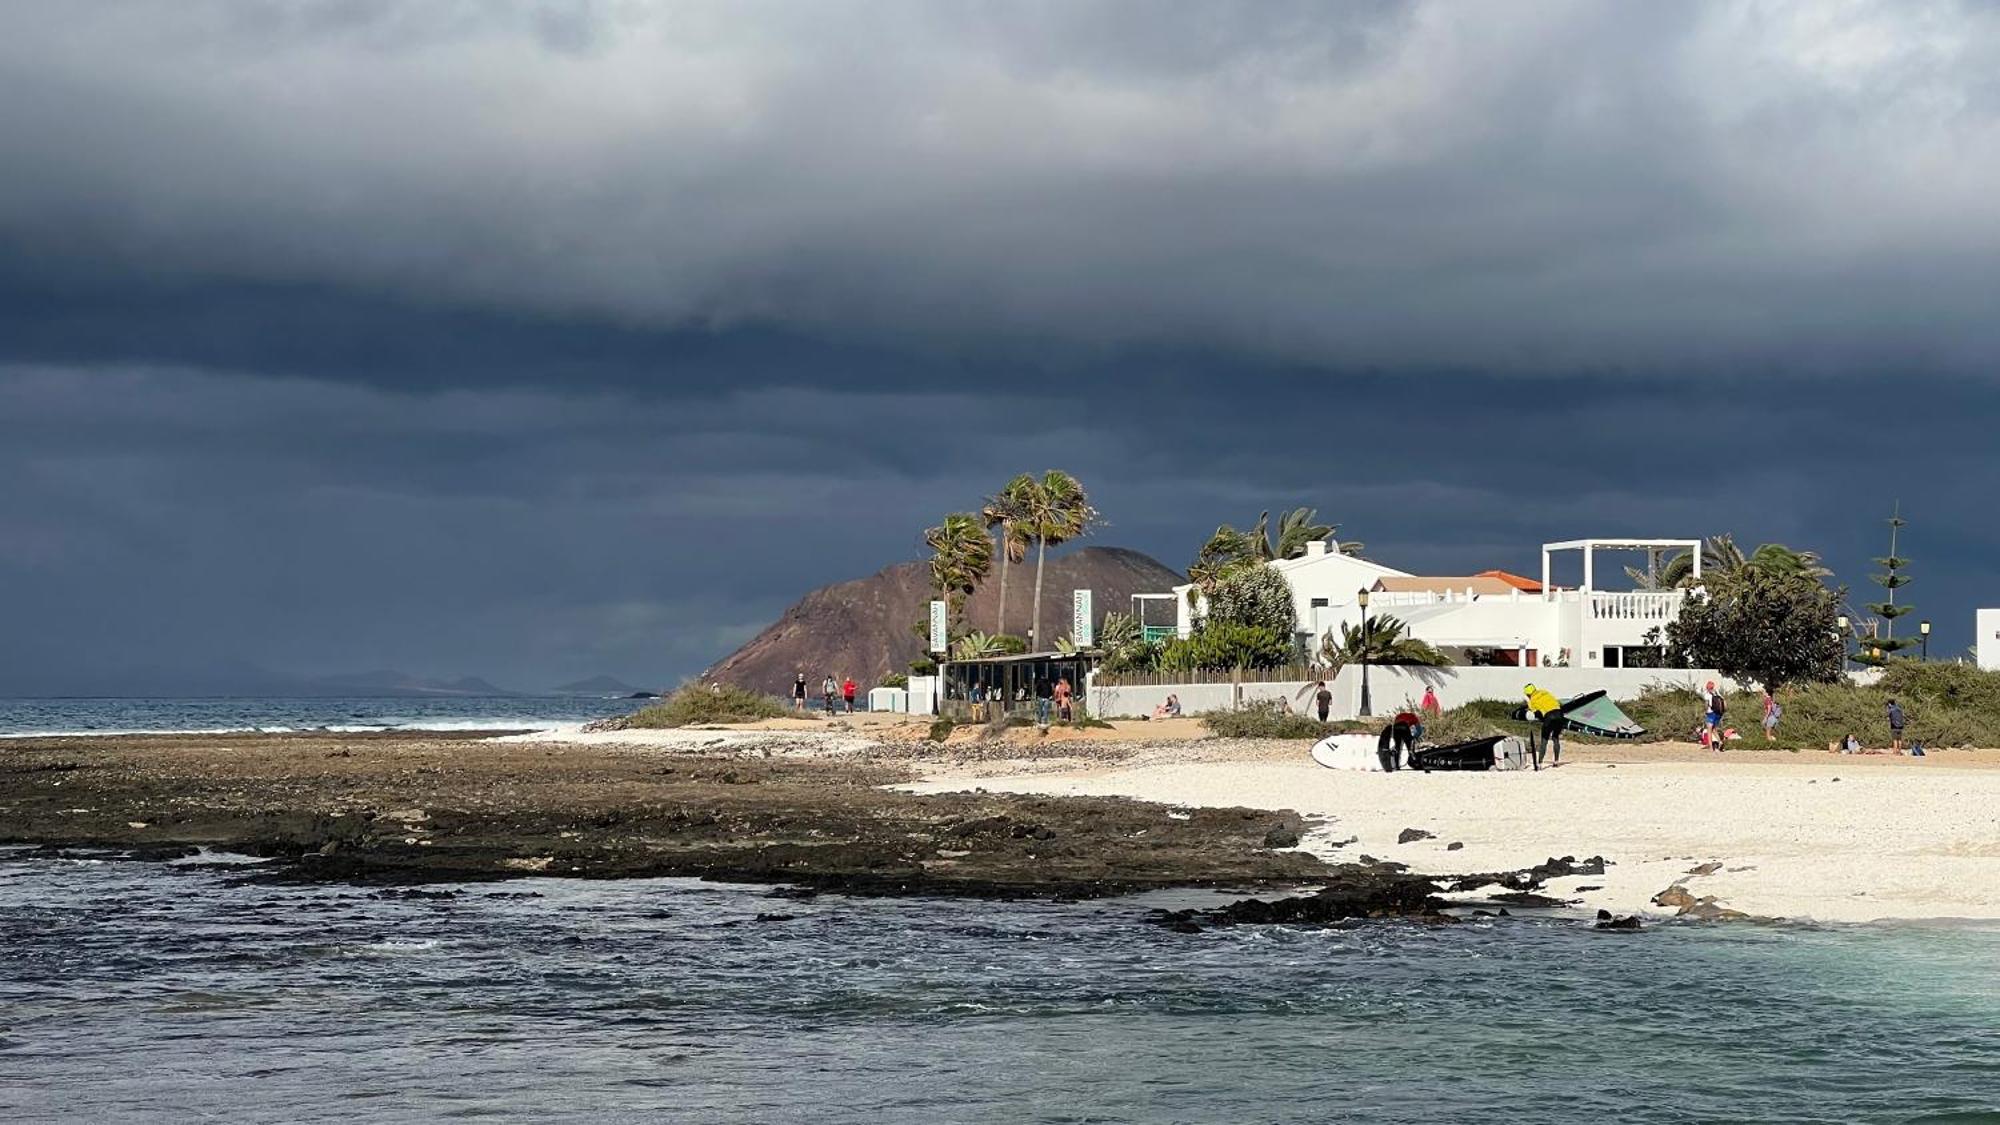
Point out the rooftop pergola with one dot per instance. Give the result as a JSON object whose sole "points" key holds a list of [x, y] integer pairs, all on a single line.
{"points": [[1590, 546]]}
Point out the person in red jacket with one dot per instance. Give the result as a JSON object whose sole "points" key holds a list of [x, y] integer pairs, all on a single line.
{"points": [[847, 692]]}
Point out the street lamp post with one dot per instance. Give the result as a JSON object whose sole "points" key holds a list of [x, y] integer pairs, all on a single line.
{"points": [[1841, 623], [1924, 630], [1367, 707]]}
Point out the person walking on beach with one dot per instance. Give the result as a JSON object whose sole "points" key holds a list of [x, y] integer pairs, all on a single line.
{"points": [[1548, 710], [1322, 699], [847, 690], [829, 688], [1771, 713], [1062, 696], [1429, 707], [1895, 726], [799, 691], [1043, 695], [1713, 717]]}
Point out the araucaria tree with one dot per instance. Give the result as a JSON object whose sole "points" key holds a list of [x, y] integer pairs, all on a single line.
{"points": [[961, 558], [1885, 641], [1769, 626]]}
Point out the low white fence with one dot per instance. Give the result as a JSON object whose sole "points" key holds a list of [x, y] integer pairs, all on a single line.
{"points": [[1390, 687]]}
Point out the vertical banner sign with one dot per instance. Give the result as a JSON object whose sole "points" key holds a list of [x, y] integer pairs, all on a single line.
{"points": [[1082, 629], [938, 639]]}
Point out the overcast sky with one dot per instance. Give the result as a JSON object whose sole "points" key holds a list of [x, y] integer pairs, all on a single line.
{"points": [[538, 340]]}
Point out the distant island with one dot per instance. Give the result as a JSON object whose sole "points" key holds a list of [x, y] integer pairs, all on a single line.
{"points": [[598, 685]]}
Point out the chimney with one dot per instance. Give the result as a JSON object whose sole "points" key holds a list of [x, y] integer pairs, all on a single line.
{"points": [[1316, 548]]}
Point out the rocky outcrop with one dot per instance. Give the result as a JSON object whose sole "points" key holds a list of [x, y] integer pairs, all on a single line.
{"points": [[863, 628], [1358, 892]]}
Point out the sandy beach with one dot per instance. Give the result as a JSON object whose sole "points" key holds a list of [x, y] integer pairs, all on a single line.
{"points": [[1775, 834]]}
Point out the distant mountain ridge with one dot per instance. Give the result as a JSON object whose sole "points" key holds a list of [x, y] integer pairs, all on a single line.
{"points": [[862, 628], [597, 685], [402, 683]]}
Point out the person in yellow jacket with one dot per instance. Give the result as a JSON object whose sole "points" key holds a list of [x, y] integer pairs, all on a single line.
{"points": [[1549, 710]]}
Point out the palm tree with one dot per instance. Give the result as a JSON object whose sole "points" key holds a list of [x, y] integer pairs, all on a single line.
{"points": [[1004, 512], [1055, 511], [961, 558], [976, 644], [1295, 531], [1387, 642], [1722, 558]]}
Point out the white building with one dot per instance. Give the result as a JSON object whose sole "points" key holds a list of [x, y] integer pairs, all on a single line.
{"points": [[1488, 618], [1986, 623]]}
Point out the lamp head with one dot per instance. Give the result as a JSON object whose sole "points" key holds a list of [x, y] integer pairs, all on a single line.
{"points": [[1924, 627], [1361, 598]]}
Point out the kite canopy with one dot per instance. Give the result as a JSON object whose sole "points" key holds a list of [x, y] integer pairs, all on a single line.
{"points": [[1594, 713]]}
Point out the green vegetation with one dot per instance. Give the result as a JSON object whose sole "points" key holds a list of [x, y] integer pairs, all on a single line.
{"points": [[1229, 549], [941, 729], [701, 704], [1054, 510], [1265, 719], [1006, 513], [1949, 705], [1882, 644], [1221, 646], [961, 558], [1773, 627], [1386, 640], [895, 679], [1722, 558]]}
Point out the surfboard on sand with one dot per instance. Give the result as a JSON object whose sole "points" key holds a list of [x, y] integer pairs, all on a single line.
{"points": [[1348, 752]]}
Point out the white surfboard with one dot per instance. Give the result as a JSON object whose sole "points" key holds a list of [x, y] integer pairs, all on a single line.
{"points": [[1348, 752]]}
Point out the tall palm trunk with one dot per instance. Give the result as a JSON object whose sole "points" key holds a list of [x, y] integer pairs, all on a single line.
{"points": [[1035, 632], [1000, 618]]}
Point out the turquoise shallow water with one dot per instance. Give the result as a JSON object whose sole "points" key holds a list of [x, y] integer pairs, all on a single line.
{"points": [[129, 992]]}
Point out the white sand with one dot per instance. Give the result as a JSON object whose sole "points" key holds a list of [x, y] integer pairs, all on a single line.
{"points": [[1892, 838]]}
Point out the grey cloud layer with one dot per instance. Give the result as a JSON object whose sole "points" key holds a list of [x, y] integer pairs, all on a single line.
{"points": [[1522, 187]]}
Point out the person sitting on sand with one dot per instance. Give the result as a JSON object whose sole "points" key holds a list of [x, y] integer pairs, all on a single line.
{"points": [[1850, 745], [1171, 709]]}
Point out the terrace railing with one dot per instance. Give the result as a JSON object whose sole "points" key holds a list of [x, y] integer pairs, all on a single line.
{"points": [[1637, 605]]}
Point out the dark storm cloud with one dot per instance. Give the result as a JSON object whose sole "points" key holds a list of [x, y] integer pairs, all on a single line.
{"points": [[535, 535], [1528, 188], [540, 340]]}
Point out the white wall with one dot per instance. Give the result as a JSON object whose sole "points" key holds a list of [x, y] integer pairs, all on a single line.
{"points": [[1389, 688], [1986, 623]]}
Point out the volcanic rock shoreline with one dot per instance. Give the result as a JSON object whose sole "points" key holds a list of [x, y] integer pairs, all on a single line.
{"points": [[407, 809], [426, 808]]}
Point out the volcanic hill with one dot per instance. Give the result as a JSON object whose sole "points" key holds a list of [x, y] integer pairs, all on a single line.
{"points": [[863, 628]]}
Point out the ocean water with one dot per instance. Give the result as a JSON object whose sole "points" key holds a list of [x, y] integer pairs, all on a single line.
{"points": [[141, 993], [19, 717]]}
